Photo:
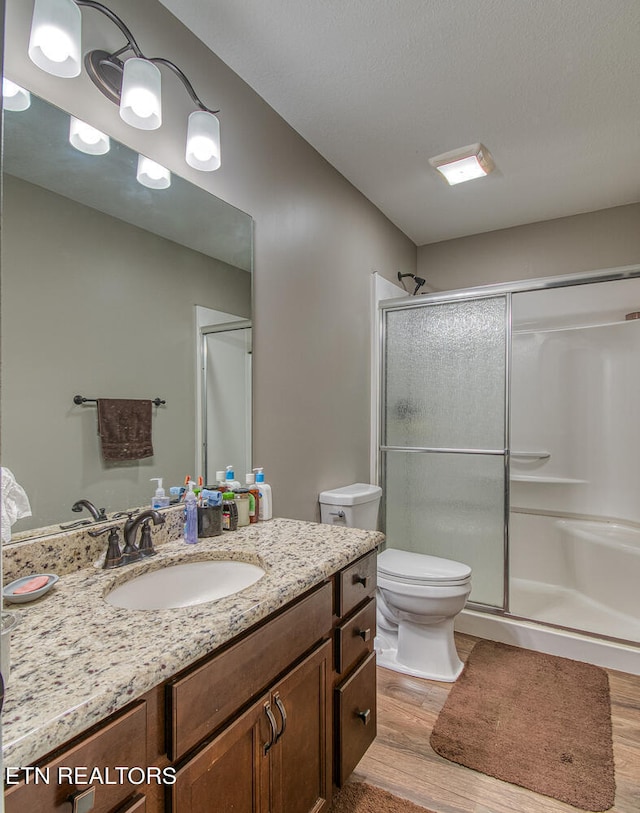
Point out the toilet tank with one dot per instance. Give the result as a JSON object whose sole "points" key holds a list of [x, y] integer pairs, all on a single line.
{"points": [[354, 506]]}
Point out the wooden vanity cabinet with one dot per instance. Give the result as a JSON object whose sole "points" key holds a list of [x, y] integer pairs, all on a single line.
{"points": [[121, 741], [354, 665], [267, 724], [275, 757]]}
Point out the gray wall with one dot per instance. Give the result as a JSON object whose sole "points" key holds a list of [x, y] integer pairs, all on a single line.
{"points": [[317, 240], [568, 245], [135, 337]]}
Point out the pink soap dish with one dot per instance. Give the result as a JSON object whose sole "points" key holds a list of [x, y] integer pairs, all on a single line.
{"points": [[9, 592]]}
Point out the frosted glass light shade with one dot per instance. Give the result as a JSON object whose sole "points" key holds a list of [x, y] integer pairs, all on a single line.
{"points": [[203, 141], [140, 102], [14, 97], [54, 43], [86, 138], [464, 164], [153, 175]]}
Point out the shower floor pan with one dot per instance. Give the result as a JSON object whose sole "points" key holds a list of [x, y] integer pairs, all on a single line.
{"points": [[552, 604]]}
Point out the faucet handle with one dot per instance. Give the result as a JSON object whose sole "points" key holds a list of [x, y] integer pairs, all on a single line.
{"points": [[113, 557], [146, 545]]}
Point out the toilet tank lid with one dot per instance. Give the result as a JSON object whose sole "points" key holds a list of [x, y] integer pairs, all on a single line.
{"points": [[420, 566], [355, 494]]}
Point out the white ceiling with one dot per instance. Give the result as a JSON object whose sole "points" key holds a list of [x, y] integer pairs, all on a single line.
{"points": [[551, 87]]}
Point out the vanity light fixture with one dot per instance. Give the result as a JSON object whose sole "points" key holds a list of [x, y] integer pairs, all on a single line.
{"points": [[152, 175], [87, 139], [14, 97], [464, 164], [133, 83]]}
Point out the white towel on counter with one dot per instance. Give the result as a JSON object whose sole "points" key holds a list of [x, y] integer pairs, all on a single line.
{"points": [[15, 503]]}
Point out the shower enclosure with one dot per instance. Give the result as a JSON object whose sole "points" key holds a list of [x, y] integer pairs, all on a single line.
{"points": [[510, 440]]}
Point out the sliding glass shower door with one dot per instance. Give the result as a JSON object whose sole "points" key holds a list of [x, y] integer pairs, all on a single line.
{"points": [[444, 434]]}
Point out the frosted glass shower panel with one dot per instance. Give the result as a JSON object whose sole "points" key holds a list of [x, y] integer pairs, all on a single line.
{"points": [[452, 506], [445, 375]]}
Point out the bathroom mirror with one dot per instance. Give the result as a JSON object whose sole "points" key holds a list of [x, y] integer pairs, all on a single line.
{"points": [[104, 283]]}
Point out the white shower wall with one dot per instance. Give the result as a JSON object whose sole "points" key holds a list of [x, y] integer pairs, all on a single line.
{"points": [[575, 386]]}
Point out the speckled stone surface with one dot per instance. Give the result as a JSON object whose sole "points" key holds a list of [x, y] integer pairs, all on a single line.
{"points": [[76, 659], [63, 552]]}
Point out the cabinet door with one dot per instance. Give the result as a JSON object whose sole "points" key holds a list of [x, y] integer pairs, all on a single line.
{"points": [[231, 772], [301, 756]]}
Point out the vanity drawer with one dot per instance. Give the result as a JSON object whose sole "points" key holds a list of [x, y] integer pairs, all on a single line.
{"points": [[354, 638], [201, 701], [356, 583], [123, 742], [356, 717]]}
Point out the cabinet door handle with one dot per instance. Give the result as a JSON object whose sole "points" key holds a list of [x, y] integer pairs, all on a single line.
{"points": [[83, 801], [360, 580], [364, 634], [283, 714], [365, 716], [274, 727]]}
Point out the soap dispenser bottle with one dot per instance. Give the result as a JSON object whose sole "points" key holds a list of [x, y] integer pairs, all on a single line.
{"points": [[230, 480], [190, 516], [265, 507], [160, 499]]}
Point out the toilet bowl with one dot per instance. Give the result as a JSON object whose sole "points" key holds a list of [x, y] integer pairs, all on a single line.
{"points": [[418, 598]]}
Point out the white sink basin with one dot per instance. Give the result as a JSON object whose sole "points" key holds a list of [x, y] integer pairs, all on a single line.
{"points": [[185, 585]]}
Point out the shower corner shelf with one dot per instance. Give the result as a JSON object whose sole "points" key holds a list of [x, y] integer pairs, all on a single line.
{"points": [[532, 478]]}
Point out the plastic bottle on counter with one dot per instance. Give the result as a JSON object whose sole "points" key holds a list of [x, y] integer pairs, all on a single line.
{"points": [[254, 491], [229, 512], [230, 479], [243, 503], [265, 510], [190, 516], [159, 499]]}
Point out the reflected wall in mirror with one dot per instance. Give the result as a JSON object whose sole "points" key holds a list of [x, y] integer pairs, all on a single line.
{"points": [[101, 279]]}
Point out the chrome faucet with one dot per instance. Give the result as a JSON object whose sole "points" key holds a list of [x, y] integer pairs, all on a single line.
{"points": [[95, 513], [131, 553]]}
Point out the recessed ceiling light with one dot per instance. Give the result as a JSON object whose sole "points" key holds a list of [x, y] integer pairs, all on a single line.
{"points": [[464, 164]]}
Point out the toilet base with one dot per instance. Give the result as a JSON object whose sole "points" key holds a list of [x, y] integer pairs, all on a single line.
{"points": [[420, 651]]}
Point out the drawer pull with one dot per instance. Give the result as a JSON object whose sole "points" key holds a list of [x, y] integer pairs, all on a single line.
{"points": [[364, 634], [365, 716], [274, 728], [283, 714], [83, 801], [360, 580]]}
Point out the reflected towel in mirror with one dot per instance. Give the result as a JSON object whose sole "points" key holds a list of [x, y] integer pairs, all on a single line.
{"points": [[124, 426], [15, 503]]}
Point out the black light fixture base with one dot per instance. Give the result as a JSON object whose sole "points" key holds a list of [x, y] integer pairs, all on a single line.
{"points": [[105, 71]]}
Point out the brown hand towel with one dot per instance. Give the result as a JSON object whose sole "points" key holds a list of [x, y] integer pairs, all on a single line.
{"points": [[124, 426]]}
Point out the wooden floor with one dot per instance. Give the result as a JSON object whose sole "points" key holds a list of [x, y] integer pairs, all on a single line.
{"points": [[402, 761]]}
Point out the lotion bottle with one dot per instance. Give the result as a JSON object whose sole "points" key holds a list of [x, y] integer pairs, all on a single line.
{"points": [[265, 505]]}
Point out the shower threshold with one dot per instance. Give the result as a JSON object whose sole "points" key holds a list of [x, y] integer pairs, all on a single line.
{"points": [[554, 640]]}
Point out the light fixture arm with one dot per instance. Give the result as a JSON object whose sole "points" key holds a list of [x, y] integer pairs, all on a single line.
{"points": [[133, 46], [159, 60]]}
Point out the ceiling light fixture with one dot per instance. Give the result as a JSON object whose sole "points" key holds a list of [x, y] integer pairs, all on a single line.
{"points": [[14, 97], [87, 139], [152, 175], [133, 83], [464, 164]]}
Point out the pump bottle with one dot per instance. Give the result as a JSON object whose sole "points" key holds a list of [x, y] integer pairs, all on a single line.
{"points": [[265, 507], [160, 499], [190, 516], [230, 480]]}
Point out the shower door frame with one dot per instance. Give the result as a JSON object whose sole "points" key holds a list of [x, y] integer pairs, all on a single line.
{"points": [[473, 293]]}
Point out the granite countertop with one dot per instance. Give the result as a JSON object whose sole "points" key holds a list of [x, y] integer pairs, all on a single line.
{"points": [[76, 659]]}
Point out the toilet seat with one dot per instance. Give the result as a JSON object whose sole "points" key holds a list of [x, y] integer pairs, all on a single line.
{"points": [[418, 568]]}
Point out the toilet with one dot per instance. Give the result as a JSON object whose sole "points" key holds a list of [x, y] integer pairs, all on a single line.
{"points": [[418, 598], [354, 506]]}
